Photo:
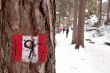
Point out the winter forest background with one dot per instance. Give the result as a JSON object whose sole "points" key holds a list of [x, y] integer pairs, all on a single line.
{"points": [[78, 34]]}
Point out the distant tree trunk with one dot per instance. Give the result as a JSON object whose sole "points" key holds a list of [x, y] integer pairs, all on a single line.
{"points": [[100, 13], [27, 17], [74, 35], [108, 13], [81, 21], [59, 23]]}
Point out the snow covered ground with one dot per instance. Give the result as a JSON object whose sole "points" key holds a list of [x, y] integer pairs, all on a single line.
{"points": [[94, 58]]}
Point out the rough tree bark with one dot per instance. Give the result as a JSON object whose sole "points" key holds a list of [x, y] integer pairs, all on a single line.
{"points": [[80, 27], [75, 22], [27, 17], [0, 21]]}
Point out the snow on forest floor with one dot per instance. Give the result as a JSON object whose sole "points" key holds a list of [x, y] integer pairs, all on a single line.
{"points": [[94, 58]]}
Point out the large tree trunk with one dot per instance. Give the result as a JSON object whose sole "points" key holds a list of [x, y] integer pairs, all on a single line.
{"points": [[74, 35], [0, 21], [27, 17], [81, 21]]}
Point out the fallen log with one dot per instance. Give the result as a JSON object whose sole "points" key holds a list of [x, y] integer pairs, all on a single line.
{"points": [[107, 43]]}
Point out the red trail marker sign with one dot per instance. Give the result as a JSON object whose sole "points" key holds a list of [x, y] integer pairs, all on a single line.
{"points": [[29, 48]]}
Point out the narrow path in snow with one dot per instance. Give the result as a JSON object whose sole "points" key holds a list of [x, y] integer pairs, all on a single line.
{"points": [[94, 58]]}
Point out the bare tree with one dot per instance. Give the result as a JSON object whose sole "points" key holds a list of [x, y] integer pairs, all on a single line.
{"points": [[108, 12], [27, 17], [75, 22], [100, 13], [80, 27]]}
